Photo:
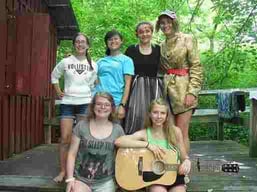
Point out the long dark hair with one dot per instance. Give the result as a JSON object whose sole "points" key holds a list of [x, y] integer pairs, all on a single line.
{"points": [[109, 35], [89, 60]]}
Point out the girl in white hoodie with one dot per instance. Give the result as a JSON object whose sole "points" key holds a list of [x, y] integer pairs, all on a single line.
{"points": [[80, 73]]}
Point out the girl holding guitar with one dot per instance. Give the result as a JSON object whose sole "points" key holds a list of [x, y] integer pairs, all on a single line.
{"points": [[160, 134]]}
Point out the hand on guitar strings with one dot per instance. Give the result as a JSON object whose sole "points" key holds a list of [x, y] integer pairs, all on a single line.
{"points": [[185, 167], [158, 152]]}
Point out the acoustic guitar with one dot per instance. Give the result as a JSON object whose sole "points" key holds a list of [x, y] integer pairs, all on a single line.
{"points": [[136, 168]]}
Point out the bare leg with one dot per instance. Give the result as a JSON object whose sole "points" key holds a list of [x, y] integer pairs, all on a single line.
{"points": [[182, 121], [157, 188], [66, 131], [81, 187], [179, 188]]}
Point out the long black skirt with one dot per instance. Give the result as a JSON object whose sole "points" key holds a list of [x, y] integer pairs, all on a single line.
{"points": [[143, 91]]}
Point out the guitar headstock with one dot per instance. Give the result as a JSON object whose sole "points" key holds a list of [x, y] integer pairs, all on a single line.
{"points": [[214, 167], [230, 168]]}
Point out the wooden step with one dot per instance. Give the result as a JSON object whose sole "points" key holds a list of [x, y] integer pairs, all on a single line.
{"points": [[29, 183]]}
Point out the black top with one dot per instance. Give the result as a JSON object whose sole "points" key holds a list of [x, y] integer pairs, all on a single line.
{"points": [[145, 65]]}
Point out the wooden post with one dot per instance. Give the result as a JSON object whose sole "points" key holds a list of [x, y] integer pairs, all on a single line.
{"points": [[48, 116], [253, 129], [220, 130]]}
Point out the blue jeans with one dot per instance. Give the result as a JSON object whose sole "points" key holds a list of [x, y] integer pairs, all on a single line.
{"points": [[73, 111]]}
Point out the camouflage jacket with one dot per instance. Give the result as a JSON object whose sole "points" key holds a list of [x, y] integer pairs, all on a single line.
{"points": [[181, 52]]}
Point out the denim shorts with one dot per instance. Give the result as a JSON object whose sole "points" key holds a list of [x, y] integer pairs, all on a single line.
{"points": [[72, 111], [108, 186]]}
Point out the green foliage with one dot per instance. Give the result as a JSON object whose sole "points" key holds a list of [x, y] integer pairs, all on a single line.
{"points": [[219, 25], [208, 131], [233, 67], [202, 131], [97, 17]]}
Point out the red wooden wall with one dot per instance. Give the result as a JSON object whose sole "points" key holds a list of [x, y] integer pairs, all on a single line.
{"points": [[27, 55]]}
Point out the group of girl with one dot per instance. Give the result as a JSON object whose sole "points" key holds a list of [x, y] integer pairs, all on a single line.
{"points": [[127, 88]]}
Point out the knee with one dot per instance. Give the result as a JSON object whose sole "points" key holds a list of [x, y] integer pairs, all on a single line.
{"points": [[183, 125], [65, 141], [179, 188], [79, 187], [157, 188]]}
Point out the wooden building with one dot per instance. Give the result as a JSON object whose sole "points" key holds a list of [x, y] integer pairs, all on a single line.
{"points": [[29, 33]]}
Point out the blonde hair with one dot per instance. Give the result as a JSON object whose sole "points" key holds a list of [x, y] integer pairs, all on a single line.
{"points": [[168, 124], [106, 95]]}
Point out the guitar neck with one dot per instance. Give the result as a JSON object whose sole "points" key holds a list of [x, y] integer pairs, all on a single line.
{"points": [[214, 166]]}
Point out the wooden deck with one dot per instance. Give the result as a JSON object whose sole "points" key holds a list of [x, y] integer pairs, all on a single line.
{"points": [[212, 154], [33, 170]]}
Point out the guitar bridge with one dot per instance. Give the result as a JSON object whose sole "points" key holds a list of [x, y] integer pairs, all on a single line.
{"points": [[140, 166]]}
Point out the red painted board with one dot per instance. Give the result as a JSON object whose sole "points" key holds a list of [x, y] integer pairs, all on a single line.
{"points": [[12, 125], [18, 125], [24, 27], [39, 54], [5, 127]]}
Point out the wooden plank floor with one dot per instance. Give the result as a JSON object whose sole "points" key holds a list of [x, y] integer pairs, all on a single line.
{"points": [[33, 170], [211, 155]]}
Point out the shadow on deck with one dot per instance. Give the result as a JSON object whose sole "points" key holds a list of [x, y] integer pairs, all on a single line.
{"points": [[33, 170]]}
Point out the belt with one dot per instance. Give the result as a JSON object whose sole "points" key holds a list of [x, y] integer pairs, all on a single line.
{"points": [[180, 72]]}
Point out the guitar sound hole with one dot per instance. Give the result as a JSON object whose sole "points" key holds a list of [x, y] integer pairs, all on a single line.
{"points": [[158, 167]]}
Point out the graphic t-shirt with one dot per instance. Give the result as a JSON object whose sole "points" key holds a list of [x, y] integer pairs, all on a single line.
{"points": [[78, 79], [95, 159]]}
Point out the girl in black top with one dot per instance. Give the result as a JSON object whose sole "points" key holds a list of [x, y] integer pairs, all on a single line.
{"points": [[146, 86]]}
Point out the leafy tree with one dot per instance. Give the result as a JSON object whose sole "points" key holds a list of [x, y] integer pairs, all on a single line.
{"points": [[219, 25]]}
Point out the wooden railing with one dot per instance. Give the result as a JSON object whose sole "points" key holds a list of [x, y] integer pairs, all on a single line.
{"points": [[211, 115], [200, 115]]}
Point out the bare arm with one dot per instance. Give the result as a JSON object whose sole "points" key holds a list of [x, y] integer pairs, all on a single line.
{"points": [[72, 153], [180, 144], [186, 163], [139, 140], [58, 90], [128, 79], [136, 140], [121, 110]]}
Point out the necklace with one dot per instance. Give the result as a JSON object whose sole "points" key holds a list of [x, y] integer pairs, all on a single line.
{"points": [[145, 50]]}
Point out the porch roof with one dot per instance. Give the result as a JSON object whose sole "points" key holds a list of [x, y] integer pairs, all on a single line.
{"points": [[64, 18]]}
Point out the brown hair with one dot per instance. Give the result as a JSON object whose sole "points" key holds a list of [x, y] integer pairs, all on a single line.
{"points": [[144, 23], [89, 60], [174, 22], [168, 125], [108, 96]]}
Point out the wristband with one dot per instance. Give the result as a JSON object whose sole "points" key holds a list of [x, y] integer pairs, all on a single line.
{"points": [[69, 180]]}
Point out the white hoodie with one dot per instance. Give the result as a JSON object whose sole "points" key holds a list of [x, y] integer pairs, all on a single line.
{"points": [[78, 80]]}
